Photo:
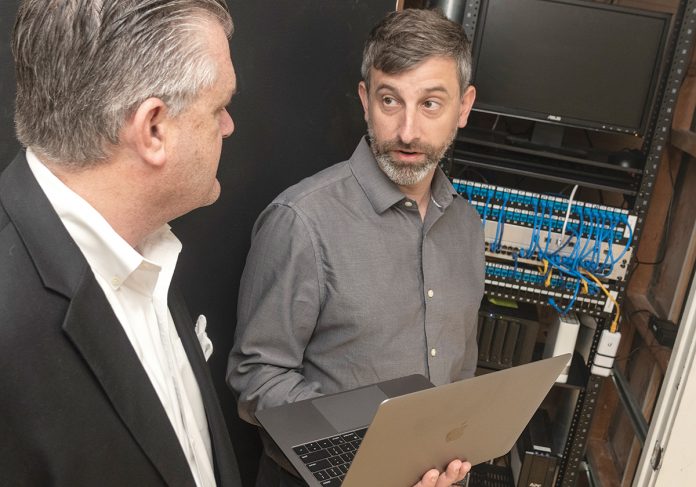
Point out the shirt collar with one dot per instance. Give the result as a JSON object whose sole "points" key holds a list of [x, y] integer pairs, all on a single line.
{"points": [[382, 192], [441, 189], [108, 254]]}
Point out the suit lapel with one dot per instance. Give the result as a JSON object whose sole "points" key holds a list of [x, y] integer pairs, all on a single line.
{"points": [[90, 323], [97, 334], [227, 471]]}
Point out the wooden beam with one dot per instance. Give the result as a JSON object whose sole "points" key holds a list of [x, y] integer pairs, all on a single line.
{"points": [[684, 140], [603, 463], [686, 101]]}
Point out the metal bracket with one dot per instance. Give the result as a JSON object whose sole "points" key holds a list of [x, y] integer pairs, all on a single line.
{"points": [[656, 457]]}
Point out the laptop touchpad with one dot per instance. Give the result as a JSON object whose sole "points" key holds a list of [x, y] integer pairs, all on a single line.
{"points": [[351, 409]]}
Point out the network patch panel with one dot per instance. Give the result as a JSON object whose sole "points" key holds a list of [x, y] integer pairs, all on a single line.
{"points": [[528, 286], [547, 248]]}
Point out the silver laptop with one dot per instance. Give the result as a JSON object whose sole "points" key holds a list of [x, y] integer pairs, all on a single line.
{"points": [[389, 434]]}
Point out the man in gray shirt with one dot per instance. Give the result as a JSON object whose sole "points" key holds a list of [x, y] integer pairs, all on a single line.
{"points": [[373, 268]]}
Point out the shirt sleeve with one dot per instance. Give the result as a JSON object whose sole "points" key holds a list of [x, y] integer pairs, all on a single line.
{"points": [[279, 302]]}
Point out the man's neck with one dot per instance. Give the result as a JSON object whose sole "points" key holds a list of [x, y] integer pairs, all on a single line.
{"points": [[102, 187]]}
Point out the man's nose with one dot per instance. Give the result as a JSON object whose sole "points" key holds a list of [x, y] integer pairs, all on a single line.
{"points": [[409, 126], [227, 125]]}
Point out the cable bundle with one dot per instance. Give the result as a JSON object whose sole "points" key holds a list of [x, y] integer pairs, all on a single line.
{"points": [[575, 245]]}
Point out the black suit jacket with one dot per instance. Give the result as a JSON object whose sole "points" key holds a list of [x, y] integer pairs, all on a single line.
{"points": [[76, 406]]}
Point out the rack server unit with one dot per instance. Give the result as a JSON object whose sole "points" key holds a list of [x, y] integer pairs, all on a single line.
{"points": [[506, 336]]}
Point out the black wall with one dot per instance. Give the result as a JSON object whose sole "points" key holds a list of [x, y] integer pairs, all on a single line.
{"points": [[8, 144], [297, 111]]}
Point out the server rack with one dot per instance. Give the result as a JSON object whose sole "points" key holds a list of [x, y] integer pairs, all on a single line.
{"points": [[479, 151]]}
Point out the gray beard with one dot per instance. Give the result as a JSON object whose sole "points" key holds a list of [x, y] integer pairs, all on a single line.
{"points": [[406, 174]]}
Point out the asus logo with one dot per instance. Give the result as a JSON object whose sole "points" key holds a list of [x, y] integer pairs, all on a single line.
{"points": [[554, 118]]}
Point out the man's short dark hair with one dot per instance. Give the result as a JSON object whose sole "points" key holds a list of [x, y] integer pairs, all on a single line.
{"points": [[406, 38]]}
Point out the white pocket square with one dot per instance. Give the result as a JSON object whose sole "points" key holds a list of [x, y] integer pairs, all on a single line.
{"points": [[203, 339]]}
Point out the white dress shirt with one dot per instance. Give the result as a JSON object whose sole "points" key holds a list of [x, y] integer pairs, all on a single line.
{"points": [[136, 284]]}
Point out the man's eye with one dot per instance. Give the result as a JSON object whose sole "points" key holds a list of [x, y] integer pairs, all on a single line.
{"points": [[431, 105], [389, 101]]}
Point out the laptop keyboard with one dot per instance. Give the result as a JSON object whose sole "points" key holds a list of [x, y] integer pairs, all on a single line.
{"points": [[329, 458]]}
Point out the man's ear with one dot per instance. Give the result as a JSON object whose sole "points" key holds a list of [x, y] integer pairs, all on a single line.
{"points": [[146, 131], [364, 98], [465, 108]]}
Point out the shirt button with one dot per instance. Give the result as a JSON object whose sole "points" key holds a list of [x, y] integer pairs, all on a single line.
{"points": [[431, 293], [115, 281], [433, 352], [408, 204]]}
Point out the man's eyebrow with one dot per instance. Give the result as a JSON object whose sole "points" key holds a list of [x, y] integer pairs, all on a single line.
{"points": [[385, 86], [437, 88], [231, 95], [432, 89]]}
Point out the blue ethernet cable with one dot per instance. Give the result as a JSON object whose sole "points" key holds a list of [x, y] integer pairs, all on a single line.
{"points": [[586, 249], [594, 254], [607, 266], [579, 278], [489, 194], [549, 227], [573, 256], [495, 246], [532, 241], [571, 233], [624, 219], [604, 235], [515, 256]]}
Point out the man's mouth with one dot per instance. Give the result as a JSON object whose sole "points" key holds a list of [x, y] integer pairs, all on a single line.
{"points": [[407, 155]]}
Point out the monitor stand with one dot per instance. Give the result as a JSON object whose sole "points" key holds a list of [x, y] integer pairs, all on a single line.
{"points": [[547, 137]]}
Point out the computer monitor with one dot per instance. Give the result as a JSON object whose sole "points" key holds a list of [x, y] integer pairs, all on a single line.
{"points": [[570, 63]]}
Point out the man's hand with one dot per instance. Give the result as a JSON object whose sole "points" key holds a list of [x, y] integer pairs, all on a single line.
{"points": [[455, 472]]}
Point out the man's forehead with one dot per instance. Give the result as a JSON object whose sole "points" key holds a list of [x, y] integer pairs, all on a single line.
{"points": [[445, 65], [431, 75], [229, 77]]}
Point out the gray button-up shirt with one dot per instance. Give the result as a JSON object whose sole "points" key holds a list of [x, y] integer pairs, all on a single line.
{"points": [[345, 286]]}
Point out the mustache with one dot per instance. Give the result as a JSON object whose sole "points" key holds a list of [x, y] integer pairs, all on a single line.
{"points": [[399, 145]]}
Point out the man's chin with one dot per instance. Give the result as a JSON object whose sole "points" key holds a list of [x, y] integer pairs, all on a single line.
{"points": [[405, 174], [213, 195]]}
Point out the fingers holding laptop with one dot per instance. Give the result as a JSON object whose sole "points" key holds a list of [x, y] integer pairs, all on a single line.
{"points": [[456, 471]]}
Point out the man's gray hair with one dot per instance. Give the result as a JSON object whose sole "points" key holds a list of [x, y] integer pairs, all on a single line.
{"points": [[84, 66], [404, 39]]}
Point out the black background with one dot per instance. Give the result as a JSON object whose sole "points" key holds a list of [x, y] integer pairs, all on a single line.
{"points": [[297, 111]]}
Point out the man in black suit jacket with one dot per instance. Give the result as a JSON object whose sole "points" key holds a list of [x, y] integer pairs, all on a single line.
{"points": [[121, 108]]}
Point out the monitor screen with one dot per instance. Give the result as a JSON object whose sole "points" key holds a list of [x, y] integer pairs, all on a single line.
{"points": [[574, 63]]}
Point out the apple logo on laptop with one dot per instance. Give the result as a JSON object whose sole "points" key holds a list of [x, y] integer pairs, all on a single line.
{"points": [[456, 433]]}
